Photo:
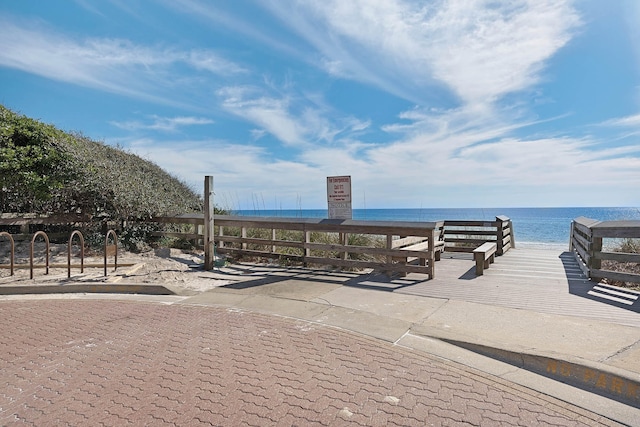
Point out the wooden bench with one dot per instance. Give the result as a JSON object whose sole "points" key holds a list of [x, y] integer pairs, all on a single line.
{"points": [[416, 244], [484, 255]]}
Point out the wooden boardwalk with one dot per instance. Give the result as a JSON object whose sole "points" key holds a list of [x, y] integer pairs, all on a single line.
{"points": [[546, 281]]}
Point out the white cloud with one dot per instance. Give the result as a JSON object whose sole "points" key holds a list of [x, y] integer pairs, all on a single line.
{"points": [[628, 128], [213, 14], [206, 60], [628, 121], [486, 51], [420, 171], [112, 65], [240, 171], [334, 67], [431, 156], [271, 114], [295, 121], [165, 124], [480, 50], [480, 164], [356, 125]]}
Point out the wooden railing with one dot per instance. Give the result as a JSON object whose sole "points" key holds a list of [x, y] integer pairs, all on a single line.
{"points": [[320, 241], [23, 225], [586, 243], [335, 242], [465, 236]]}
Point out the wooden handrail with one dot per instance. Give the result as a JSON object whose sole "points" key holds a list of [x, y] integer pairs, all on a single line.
{"points": [[305, 248], [434, 233], [586, 243]]}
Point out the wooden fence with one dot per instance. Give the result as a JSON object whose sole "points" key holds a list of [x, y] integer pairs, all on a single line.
{"points": [[319, 241], [465, 236], [22, 226], [394, 244], [587, 236]]}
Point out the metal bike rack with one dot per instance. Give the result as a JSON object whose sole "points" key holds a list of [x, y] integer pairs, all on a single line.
{"points": [[13, 247], [79, 234], [46, 238], [111, 248]]}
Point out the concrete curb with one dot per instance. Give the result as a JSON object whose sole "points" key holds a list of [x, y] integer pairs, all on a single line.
{"points": [[597, 378], [618, 412], [75, 288]]}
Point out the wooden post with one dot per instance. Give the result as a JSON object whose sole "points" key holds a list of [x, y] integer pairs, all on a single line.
{"points": [[500, 234], [306, 250], [273, 238], [243, 234], [389, 246], [209, 244], [431, 253], [571, 236], [197, 229], [594, 262], [513, 234], [344, 239]]}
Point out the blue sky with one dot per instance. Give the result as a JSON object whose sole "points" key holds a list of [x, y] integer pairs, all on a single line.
{"points": [[460, 103]]}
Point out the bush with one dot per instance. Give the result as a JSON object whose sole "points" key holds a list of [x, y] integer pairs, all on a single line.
{"points": [[33, 167], [44, 170]]}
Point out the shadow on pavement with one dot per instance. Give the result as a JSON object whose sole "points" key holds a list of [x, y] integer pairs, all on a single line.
{"points": [[382, 282], [581, 286], [267, 276]]}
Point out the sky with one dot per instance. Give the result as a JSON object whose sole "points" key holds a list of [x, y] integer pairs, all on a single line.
{"points": [[425, 104]]}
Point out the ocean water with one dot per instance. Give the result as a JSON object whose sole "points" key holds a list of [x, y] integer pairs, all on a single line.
{"points": [[533, 227]]}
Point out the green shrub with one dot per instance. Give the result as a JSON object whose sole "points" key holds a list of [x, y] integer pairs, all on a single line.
{"points": [[33, 167], [44, 170]]}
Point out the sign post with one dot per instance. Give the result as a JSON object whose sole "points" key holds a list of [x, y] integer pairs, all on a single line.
{"points": [[339, 197], [209, 250]]}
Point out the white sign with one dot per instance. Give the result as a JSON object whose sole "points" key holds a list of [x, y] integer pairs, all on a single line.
{"points": [[339, 197]]}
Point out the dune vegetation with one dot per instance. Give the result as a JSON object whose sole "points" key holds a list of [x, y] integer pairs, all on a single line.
{"points": [[45, 170]]}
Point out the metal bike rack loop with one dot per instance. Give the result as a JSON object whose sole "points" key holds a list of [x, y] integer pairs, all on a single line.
{"points": [[79, 234], [107, 248], [46, 238], [13, 247]]}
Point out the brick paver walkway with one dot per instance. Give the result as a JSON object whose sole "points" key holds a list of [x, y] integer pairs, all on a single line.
{"points": [[129, 363]]}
